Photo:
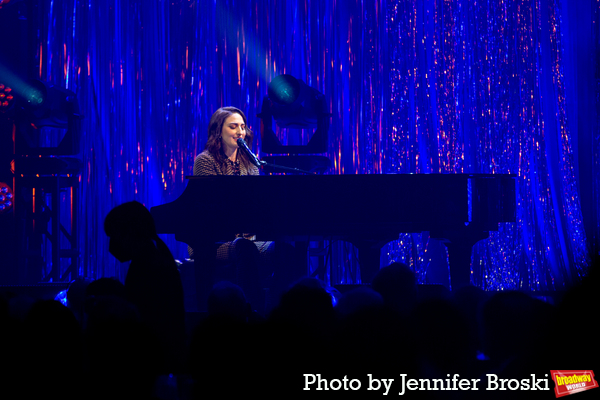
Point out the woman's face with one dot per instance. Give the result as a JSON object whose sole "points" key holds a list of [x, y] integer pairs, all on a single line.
{"points": [[233, 129]]}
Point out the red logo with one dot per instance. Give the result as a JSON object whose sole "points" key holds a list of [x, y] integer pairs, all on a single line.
{"points": [[572, 381]]}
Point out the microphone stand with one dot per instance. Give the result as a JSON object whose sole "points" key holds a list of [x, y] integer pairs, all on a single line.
{"points": [[284, 168], [254, 160]]}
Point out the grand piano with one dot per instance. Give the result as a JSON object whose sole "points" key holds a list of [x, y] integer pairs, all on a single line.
{"points": [[366, 210]]}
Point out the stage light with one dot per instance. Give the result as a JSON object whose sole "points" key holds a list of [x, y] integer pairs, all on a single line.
{"points": [[284, 89], [47, 105], [6, 198], [62, 297], [294, 104], [6, 98], [47, 120]]}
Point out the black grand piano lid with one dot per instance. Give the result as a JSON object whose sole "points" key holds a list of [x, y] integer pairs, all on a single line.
{"points": [[338, 204]]}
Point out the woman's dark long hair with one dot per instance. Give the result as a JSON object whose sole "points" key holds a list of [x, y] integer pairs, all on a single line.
{"points": [[214, 144]]}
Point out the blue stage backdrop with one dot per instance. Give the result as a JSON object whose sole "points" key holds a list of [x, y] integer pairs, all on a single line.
{"points": [[427, 86]]}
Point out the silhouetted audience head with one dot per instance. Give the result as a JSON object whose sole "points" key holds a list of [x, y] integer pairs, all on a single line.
{"points": [[228, 299], [441, 333], [397, 285], [573, 328], [358, 299], [306, 304], [55, 324], [76, 296], [128, 225], [123, 354], [374, 333], [226, 355], [51, 349], [105, 287], [516, 329], [105, 301]]}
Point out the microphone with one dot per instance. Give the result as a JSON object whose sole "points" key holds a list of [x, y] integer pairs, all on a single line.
{"points": [[253, 159]]}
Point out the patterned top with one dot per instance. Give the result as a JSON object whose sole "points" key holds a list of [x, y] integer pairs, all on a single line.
{"points": [[205, 164]]}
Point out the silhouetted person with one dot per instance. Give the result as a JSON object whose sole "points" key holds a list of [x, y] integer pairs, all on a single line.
{"points": [[228, 300], [106, 302], [301, 331], [441, 333], [516, 334], [50, 350], [76, 298], [358, 299], [470, 301], [152, 283], [397, 284], [307, 306], [572, 328], [105, 287], [225, 352], [122, 360], [375, 334]]}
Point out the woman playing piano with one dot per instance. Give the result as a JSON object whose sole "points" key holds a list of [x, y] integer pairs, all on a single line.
{"points": [[241, 259], [252, 264]]}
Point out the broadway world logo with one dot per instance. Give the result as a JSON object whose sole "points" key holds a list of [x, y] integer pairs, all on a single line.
{"points": [[571, 381]]}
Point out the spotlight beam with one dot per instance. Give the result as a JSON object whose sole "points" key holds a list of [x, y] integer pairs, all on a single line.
{"points": [[29, 93]]}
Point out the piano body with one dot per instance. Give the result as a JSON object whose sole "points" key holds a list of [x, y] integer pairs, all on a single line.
{"points": [[366, 210]]}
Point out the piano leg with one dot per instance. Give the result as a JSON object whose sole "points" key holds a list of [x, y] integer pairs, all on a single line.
{"points": [[460, 245], [369, 258], [459, 258], [205, 257], [237, 262]]}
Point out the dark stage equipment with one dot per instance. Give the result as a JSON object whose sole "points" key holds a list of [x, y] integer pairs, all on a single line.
{"points": [[295, 105], [46, 129], [6, 198]]}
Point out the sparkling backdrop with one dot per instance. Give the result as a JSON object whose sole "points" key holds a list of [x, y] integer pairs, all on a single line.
{"points": [[431, 86]]}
